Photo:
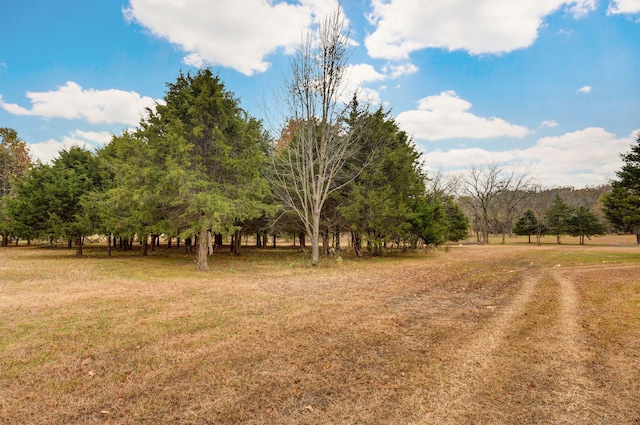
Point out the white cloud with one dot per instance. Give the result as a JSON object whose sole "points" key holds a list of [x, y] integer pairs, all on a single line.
{"points": [[49, 149], [477, 26], [95, 106], [195, 60], [93, 137], [446, 116], [548, 123], [584, 89], [358, 76], [581, 158], [238, 34], [363, 73], [624, 6], [398, 70]]}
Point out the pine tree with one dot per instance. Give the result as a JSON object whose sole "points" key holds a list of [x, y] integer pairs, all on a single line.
{"points": [[557, 216], [526, 225], [584, 223], [622, 205]]}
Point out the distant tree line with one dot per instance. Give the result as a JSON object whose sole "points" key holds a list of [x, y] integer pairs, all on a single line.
{"points": [[500, 200]]}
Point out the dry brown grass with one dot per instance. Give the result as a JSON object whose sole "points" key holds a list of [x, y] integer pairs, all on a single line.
{"points": [[513, 334]]}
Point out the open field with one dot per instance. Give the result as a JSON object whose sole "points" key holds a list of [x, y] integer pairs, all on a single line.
{"points": [[499, 334]]}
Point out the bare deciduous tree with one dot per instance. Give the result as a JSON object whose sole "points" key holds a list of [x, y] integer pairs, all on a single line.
{"points": [[493, 194], [311, 164]]}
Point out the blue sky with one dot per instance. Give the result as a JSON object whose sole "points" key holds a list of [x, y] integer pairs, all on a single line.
{"points": [[550, 86]]}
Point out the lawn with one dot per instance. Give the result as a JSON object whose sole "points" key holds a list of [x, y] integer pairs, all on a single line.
{"points": [[498, 334]]}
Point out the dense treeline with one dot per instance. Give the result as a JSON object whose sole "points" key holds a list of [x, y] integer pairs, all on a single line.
{"points": [[199, 167]]}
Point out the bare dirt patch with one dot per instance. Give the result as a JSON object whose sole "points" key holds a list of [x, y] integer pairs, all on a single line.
{"points": [[479, 335]]}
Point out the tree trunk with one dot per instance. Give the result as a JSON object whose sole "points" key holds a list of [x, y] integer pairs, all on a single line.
{"points": [[274, 240], [238, 243], [315, 237], [201, 251], [337, 240], [638, 237], [325, 241], [210, 245], [303, 240], [357, 243], [109, 237], [145, 246], [315, 249], [79, 245]]}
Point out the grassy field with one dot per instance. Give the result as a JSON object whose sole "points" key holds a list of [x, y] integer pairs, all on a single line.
{"points": [[498, 334]]}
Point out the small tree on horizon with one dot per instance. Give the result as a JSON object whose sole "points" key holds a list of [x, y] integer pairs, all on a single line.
{"points": [[527, 225], [557, 217], [584, 223]]}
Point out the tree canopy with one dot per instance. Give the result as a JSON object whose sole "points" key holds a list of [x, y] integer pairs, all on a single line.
{"points": [[622, 205], [49, 198], [14, 164]]}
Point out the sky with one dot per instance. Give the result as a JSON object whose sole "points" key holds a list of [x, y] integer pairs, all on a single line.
{"points": [[551, 87]]}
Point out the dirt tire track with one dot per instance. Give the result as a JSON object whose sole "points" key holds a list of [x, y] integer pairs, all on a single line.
{"points": [[576, 391], [455, 395], [534, 350]]}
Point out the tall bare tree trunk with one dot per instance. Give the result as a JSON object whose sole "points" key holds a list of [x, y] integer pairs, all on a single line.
{"points": [[315, 240]]}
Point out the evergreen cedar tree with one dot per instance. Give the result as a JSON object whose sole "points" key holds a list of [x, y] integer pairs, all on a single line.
{"points": [[526, 225], [622, 205], [49, 198], [197, 170], [561, 219]]}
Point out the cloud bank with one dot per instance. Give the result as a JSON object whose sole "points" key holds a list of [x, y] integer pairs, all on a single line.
{"points": [[49, 149], [71, 101], [230, 33], [624, 6], [579, 158], [447, 116], [477, 26]]}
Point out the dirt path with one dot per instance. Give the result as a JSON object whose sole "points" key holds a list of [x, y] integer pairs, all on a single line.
{"points": [[531, 353], [469, 367]]}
